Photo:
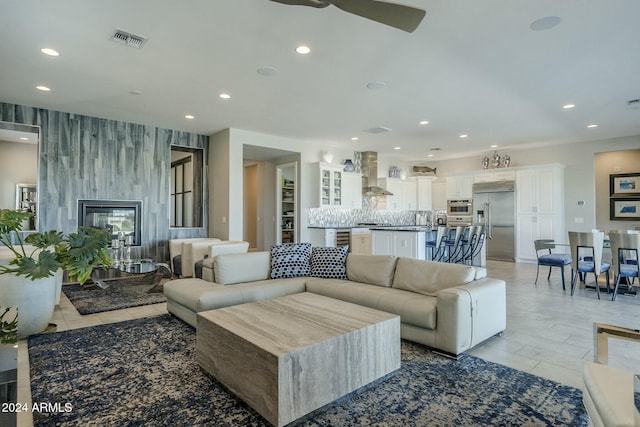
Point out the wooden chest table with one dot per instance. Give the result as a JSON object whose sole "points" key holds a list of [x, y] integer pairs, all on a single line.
{"points": [[288, 356]]}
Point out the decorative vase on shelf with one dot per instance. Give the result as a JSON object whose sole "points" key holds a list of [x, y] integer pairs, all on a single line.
{"points": [[495, 160], [485, 162], [506, 160], [348, 166]]}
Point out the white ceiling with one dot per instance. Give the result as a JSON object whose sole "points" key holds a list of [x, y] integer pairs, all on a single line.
{"points": [[472, 67]]}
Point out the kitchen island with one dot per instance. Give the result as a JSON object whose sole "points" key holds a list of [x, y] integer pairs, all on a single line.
{"points": [[405, 241]]}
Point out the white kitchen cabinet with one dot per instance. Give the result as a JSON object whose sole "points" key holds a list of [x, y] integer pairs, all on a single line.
{"points": [[539, 207], [351, 190], [534, 227], [330, 185], [394, 185], [439, 195], [382, 242], [404, 193], [424, 193], [360, 241], [539, 190], [410, 244], [460, 187], [495, 175]]}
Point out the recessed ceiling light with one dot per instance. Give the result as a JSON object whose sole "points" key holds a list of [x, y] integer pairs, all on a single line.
{"points": [[24, 138], [189, 117], [267, 71], [135, 92], [592, 125], [396, 148], [424, 122], [494, 146], [354, 138], [377, 85], [50, 52], [464, 135], [303, 50], [43, 88], [224, 96], [546, 23], [568, 106], [429, 155]]}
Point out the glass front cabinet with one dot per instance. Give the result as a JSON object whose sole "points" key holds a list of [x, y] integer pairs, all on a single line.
{"points": [[330, 185]]}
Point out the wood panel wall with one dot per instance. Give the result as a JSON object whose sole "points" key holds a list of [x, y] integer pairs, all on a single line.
{"points": [[84, 157]]}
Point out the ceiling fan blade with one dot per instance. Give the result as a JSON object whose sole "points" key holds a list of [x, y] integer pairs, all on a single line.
{"points": [[312, 3], [402, 17]]}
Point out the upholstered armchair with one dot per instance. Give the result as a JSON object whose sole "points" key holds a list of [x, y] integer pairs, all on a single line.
{"points": [[181, 262]]}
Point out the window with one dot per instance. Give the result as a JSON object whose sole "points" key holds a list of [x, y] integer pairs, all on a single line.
{"points": [[186, 187]]}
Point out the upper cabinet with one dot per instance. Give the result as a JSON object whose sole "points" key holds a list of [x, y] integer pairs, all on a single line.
{"points": [[404, 193], [495, 175], [425, 193], [330, 185], [351, 190], [538, 190], [339, 189], [439, 195], [460, 187]]}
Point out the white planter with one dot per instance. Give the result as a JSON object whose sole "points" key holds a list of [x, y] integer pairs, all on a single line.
{"points": [[35, 300]]}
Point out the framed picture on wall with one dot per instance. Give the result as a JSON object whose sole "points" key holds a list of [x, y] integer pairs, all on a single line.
{"points": [[624, 184], [624, 208]]}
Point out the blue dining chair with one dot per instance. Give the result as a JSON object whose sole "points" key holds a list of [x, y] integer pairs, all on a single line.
{"points": [[625, 249], [550, 259], [586, 257]]}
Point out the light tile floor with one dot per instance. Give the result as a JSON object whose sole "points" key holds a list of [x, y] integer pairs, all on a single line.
{"points": [[549, 333]]}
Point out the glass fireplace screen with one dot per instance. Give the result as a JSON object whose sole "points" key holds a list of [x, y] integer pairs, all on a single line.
{"points": [[112, 215]]}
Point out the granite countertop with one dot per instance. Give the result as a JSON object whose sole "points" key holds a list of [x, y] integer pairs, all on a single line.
{"points": [[410, 228], [376, 227]]}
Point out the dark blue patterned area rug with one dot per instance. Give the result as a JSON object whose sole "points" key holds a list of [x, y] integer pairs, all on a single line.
{"points": [[122, 293], [143, 373]]}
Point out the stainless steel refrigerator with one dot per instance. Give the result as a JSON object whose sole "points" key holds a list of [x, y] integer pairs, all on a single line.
{"points": [[494, 207]]}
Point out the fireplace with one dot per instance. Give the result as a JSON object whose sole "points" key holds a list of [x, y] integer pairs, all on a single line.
{"points": [[112, 215]]}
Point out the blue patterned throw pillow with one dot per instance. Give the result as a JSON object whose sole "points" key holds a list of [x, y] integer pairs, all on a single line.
{"points": [[329, 263], [290, 260]]}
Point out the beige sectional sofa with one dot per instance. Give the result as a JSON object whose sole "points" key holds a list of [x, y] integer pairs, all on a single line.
{"points": [[445, 306]]}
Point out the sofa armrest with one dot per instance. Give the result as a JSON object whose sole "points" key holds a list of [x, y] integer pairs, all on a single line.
{"points": [[470, 313]]}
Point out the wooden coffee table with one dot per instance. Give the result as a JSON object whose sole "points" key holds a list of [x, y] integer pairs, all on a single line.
{"points": [[288, 356]]}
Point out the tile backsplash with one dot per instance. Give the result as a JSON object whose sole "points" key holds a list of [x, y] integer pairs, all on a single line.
{"points": [[327, 217]]}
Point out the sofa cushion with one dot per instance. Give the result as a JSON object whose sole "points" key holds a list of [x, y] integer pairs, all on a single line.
{"points": [[413, 309], [371, 269], [290, 260], [230, 269], [329, 262], [429, 277]]}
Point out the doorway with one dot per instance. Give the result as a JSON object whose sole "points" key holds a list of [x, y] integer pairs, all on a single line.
{"points": [[260, 194]]}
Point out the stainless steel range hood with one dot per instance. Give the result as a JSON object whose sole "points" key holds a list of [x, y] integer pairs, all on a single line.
{"points": [[370, 175]]}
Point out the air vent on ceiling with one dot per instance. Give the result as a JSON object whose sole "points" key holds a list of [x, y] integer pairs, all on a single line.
{"points": [[379, 129], [634, 103], [128, 39]]}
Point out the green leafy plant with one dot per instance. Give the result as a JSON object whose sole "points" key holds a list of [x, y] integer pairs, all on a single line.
{"points": [[77, 253], [8, 327]]}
